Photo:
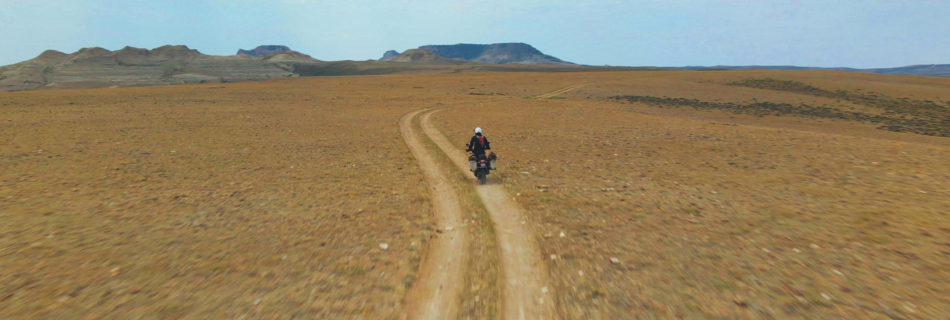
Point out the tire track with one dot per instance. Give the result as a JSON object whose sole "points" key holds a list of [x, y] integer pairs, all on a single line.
{"points": [[560, 91], [526, 293], [435, 292]]}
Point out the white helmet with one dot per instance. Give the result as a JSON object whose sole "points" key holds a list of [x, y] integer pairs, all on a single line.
{"points": [[478, 130]]}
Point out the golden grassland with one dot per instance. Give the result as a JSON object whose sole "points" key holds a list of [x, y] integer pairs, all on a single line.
{"points": [[712, 214], [257, 200], [271, 199]]}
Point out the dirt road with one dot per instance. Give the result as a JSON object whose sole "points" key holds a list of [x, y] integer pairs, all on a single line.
{"points": [[560, 91], [526, 293], [434, 295]]}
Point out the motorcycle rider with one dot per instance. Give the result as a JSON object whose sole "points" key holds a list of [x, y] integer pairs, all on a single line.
{"points": [[478, 144]]}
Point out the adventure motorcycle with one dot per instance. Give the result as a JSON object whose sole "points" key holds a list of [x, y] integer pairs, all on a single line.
{"points": [[481, 165]]}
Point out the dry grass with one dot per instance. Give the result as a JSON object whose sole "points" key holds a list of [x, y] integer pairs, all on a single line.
{"points": [[269, 200], [721, 215], [262, 200]]}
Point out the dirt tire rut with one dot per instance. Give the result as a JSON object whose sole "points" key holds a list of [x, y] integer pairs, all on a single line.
{"points": [[561, 91], [434, 294], [526, 292]]}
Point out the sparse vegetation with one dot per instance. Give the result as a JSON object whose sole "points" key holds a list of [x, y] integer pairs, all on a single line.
{"points": [[239, 200], [170, 71], [935, 121], [899, 114], [270, 199], [786, 85], [717, 214]]}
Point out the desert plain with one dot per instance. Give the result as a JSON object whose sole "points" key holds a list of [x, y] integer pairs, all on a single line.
{"points": [[649, 194]]}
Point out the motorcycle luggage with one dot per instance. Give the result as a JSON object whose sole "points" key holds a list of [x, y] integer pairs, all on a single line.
{"points": [[471, 165]]}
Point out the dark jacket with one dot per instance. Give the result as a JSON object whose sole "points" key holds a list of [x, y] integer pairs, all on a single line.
{"points": [[476, 146]]}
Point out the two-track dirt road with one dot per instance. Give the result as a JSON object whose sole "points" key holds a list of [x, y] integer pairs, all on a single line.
{"points": [[560, 91], [526, 293], [434, 295]]}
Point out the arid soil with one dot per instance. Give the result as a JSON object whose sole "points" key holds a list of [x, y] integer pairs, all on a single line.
{"points": [[663, 211], [299, 198], [526, 290], [435, 294], [250, 200]]}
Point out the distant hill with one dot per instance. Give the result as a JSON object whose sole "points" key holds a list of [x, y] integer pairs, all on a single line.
{"points": [[937, 70], [98, 67], [497, 53], [388, 55], [934, 70], [264, 50], [422, 56]]}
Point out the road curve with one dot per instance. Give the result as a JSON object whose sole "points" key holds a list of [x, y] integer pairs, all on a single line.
{"points": [[527, 293], [435, 292]]}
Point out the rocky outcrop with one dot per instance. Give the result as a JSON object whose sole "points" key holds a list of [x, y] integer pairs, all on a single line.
{"points": [[264, 50], [421, 56], [288, 57], [389, 55], [98, 67], [497, 53]]}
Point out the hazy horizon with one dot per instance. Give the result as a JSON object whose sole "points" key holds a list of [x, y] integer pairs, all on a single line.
{"points": [[858, 34]]}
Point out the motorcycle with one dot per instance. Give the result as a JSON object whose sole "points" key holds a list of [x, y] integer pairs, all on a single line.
{"points": [[481, 165]]}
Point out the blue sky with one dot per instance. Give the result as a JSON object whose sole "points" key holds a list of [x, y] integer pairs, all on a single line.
{"points": [[633, 33]]}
